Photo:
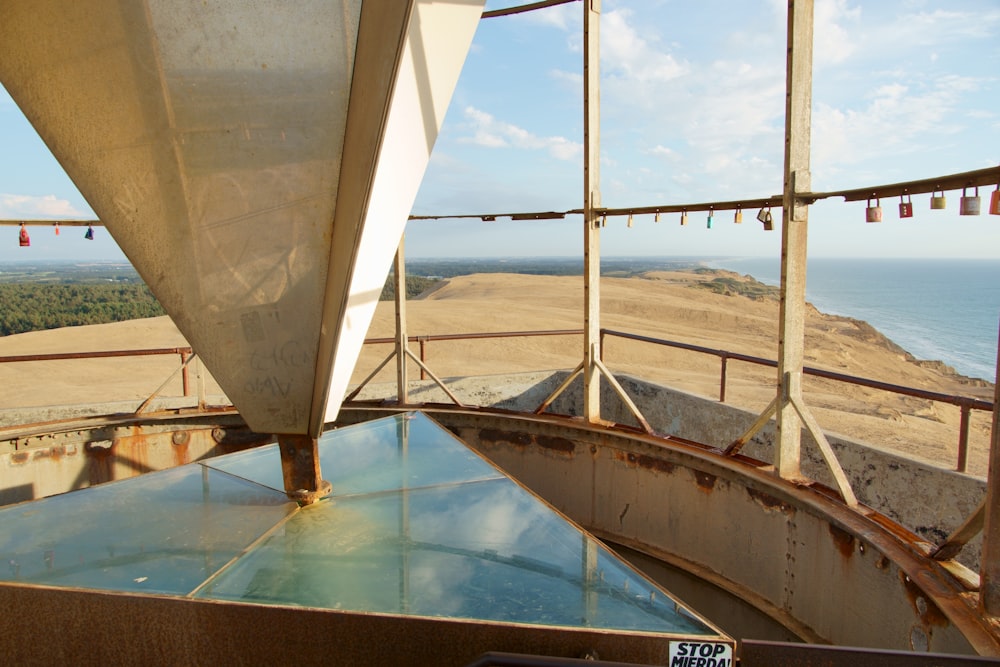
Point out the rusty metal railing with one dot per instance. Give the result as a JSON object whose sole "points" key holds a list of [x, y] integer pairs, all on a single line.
{"points": [[424, 340], [185, 354], [964, 403]]}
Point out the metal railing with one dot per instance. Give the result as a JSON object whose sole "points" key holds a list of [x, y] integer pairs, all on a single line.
{"points": [[424, 340], [185, 353], [964, 403]]}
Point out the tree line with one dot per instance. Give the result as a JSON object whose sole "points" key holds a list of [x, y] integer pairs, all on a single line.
{"points": [[34, 306], [30, 306]]}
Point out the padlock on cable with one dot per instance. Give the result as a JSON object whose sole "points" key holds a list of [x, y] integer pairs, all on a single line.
{"points": [[905, 207], [764, 215], [873, 213], [711, 215], [969, 205], [995, 202], [938, 201], [23, 240], [89, 234], [684, 218], [738, 218]]}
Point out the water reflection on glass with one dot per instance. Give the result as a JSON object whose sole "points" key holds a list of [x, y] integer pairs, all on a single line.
{"points": [[417, 524], [164, 532]]}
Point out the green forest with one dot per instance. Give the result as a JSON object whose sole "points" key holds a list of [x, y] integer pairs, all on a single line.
{"points": [[33, 306]]}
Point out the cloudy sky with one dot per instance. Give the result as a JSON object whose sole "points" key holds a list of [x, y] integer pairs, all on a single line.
{"points": [[692, 110]]}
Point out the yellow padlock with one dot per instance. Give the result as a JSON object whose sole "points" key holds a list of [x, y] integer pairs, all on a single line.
{"points": [[938, 202], [738, 218], [684, 218]]}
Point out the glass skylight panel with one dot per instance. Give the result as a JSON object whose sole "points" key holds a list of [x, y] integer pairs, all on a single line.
{"points": [[163, 532], [418, 524]]}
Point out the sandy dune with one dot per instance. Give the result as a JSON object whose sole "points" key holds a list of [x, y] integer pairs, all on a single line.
{"points": [[662, 305]]}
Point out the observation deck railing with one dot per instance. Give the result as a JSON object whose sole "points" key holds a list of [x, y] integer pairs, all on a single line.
{"points": [[964, 403]]}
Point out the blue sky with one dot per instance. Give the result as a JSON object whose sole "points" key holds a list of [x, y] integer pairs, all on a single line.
{"points": [[692, 110]]}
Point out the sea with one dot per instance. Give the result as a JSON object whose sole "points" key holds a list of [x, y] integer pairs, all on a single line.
{"points": [[936, 309]]}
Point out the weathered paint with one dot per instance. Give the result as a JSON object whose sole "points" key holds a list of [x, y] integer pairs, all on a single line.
{"points": [[826, 572]]}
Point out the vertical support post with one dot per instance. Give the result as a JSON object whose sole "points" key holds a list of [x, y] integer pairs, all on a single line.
{"points": [[963, 439], [199, 378], [795, 219], [591, 201], [989, 572], [590, 579], [184, 374], [399, 266], [724, 360], [300, 468]]}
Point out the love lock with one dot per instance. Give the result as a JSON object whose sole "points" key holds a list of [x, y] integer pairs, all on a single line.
{"points": [[969, 205], [995, 202], [873, 213], [905, 207], [764, 215], [938, 201]]}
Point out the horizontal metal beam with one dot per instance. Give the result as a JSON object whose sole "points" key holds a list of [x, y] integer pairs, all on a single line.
{"points": [[778, 654], [967, 179]]}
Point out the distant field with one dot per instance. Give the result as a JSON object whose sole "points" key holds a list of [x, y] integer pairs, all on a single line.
{"points": [[49, 295]]}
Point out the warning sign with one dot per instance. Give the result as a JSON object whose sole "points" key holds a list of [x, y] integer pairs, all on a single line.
{"points": [[700, 654]]}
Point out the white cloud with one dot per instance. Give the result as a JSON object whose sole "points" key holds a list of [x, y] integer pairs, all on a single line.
{"points": [[492, 133], [832, 43], [625, 54], [898, 120], [663, 151], [14, 207]]}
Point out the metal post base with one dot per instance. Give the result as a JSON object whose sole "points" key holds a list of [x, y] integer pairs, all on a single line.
{"points": [[300, 468]]}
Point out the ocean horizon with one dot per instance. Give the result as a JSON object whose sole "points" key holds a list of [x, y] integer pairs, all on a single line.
{"points": [[936, 309], [944, 310]]}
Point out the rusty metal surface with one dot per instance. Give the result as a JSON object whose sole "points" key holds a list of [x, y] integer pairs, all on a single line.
{"points": [[826, 571], [777, 654], [801, 553], [495, 659], [178, 631], [44, 461], [103, 354], [300, 468]]}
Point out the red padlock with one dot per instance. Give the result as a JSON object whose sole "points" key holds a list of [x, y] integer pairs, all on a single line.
{"points": [[905, 207], [23, 239], [995, 202]]}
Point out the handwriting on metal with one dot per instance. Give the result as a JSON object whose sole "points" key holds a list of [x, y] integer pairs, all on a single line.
{"points": [[276, 369]]}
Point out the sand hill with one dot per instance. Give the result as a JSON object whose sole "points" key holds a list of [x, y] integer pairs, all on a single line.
{"points": [[663, 305]]}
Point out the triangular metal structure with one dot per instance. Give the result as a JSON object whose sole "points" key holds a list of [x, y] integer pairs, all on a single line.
{"points": [[256, 162]]}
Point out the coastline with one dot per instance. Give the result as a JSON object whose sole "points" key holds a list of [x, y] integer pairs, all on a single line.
{"points": [[659, 305]]}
